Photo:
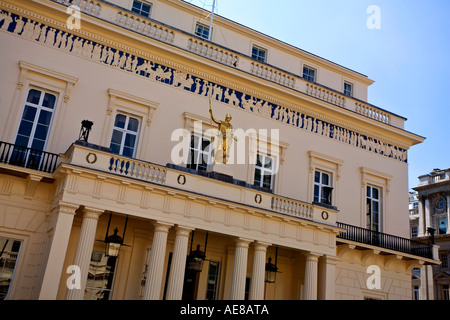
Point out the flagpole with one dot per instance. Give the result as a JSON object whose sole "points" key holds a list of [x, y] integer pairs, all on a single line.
{"points": [[211, 21]]}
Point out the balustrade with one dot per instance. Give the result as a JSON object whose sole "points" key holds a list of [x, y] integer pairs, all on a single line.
{"points": [[292, 207], [137, 169], [373, 113], [272, 74], [212, 52], [28, 158], [387, 241]]}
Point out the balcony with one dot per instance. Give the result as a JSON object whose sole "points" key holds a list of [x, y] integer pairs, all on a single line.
{"points": [[15, 155], [385, 241], [166, 34]]}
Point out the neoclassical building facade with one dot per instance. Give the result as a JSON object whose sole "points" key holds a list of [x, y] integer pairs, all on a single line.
{"points": [[429, 217], [107, 141]]}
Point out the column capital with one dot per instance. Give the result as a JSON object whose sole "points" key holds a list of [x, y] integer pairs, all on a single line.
{"points": [[183, 231], [329, 259], [67, 208], [261, 246], [242, 243], [92, 213], [162, 226], [312, 256]]}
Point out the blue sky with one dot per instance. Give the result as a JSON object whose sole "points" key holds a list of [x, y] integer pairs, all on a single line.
{"points": [[407, 57]]}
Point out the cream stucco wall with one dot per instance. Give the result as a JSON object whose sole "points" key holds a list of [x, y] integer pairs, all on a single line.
{"points": [[88, 89]]}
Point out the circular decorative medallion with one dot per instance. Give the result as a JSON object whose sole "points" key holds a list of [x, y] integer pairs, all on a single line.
{"points": [[181, 179], [324, 215], [258, 198], [91, 158]]}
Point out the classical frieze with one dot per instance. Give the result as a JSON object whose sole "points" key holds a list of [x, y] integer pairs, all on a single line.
{"points": [[115, 55]]}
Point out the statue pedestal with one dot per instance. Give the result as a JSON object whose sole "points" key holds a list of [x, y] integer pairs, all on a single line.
{"points": [[221, 171]]}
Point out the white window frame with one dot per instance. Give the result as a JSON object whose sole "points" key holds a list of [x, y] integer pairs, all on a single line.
{"points": [[200, 152], [345, 91], [321, 186], [382, 182], [258, 57], [126, 132], [139, 108], [310, 68], [140, 10], [265, 171], [39, 107], [33, 76], [369, 197], [201, 35], [330, 165]]}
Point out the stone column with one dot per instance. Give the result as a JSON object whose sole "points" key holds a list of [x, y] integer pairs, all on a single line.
{"points": [[178, 266], [327, 278], [428, 215], [310, 285], [84, 250], [239, 270], [422, 229], [152, 289], [259, 270], [61, 227]]}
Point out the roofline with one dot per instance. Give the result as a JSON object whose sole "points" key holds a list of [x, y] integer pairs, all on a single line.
{"points": [[313, 56]]}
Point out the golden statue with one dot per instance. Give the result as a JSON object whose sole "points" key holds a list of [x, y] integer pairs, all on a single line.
{"points": [[226, 133]]}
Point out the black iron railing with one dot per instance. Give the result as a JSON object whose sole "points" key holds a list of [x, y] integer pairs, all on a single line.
{"points": [[386, 241], [28, 158]]}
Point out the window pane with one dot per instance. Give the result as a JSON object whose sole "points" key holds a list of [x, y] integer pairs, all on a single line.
{"points": [[22, 140], [130, 140], [25, 129], [316, 193], [120, 121], [115, 148], [38, 144], [34, 96], [41, 132], [49, 101], [259, 161], [375, 193], [194, 142], [205, 145], [325, 179], [117, 137], [29, 113], [128, 152], [268, 164], [369, 192], [317, 177], [133, 124], [267, 181], [257, 176], [145, 8], [375, 207], [45, 117]]}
